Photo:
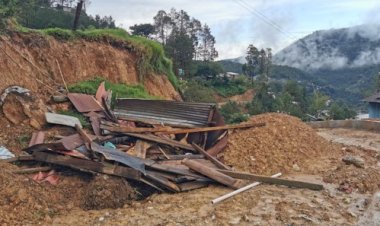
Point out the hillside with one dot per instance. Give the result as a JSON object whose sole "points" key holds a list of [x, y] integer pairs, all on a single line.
{"points": [[29, 59]]}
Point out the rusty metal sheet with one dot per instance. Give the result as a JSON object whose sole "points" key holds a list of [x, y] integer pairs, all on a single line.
{"points": [[74, 141], [37, 138], [84, 103], [101, 92], [118, 156]]}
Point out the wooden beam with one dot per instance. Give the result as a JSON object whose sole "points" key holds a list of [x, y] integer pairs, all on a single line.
{"points": [[169, 130], [212, 173], [270, 180], [161, 140], [32, 170], [88, 165], [211, 158]]}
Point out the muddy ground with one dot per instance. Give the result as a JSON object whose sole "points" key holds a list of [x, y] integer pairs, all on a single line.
{"points": [[351, 195]]}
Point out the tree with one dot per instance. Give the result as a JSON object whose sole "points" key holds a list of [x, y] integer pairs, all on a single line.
{"points": [[252, 59], [144, 30], [180, 48], [207, 49], [162, 25]]}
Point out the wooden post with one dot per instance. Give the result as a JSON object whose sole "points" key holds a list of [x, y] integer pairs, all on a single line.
{"points": [[211, 173], [218, 163]]}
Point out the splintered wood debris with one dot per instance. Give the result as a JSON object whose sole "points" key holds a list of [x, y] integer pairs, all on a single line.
{"points": [[170, 146]]}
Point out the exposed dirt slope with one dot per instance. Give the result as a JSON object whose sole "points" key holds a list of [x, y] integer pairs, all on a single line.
{"points": [[29, 60]]}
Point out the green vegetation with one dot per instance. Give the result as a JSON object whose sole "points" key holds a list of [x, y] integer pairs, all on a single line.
{"points": [[23, 140], [233, 113], [118, 90], [195, 91], [294, 100], [227, 88], [83, 120]]}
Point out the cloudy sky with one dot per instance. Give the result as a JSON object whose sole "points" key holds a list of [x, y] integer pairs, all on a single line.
{"points": [[237, 23]]}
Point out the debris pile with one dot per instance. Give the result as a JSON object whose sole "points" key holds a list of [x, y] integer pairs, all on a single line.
{"points": [[285, 144], [158, 143]]}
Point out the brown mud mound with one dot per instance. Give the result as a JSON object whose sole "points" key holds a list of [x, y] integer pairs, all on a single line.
{"points": [[107, 192], [284, 144], [26, 202]]}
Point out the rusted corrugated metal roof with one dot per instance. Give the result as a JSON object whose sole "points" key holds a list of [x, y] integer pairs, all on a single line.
{"points": [[180, 114]]}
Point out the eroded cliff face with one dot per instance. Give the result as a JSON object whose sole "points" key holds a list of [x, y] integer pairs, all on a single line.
{"points": [[30, 60]]}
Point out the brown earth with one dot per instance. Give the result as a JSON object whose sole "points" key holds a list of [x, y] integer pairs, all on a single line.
{"points": [[284, 144], [29, 60], [242, 98]]}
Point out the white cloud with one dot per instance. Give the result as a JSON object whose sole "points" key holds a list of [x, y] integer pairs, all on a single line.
{"points": [[235, 26]]}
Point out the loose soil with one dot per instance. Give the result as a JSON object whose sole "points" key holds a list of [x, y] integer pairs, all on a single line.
{"points": [[284, 144]]}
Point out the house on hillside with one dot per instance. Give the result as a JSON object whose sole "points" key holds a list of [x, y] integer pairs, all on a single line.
{"points": [[373, 105]]}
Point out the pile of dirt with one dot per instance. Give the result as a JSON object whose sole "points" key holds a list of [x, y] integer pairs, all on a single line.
{"points": [[24, 200], [284, 144], [107, 192]]}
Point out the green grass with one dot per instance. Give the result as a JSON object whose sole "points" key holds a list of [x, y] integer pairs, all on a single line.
{"points": [[83, 120], [24, 139], [118, 90], [150, 54]]}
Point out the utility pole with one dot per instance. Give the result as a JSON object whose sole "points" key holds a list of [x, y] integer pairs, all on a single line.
{"points": [[77, 14]]}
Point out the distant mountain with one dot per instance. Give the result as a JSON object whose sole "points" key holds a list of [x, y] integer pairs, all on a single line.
{"points": [[334, 49], [231, 66]]}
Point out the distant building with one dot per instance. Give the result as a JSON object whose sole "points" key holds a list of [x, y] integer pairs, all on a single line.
{"points": [[229, 75], [373, 105]]}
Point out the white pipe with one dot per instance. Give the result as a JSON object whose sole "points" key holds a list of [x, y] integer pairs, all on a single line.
{"points": [[228, 195]]}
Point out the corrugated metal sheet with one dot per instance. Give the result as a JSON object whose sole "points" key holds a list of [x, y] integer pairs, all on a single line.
{"points": [[181, 114]]}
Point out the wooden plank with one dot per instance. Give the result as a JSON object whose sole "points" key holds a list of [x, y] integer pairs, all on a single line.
{"points": [[270, 180], [87, 165], [161, 140], [169, 130], [162, 181], [18, 158], [141, 147], [188, 186], [212, 173], [32, 170], [175, 170], [211, 158], [219, 146]]}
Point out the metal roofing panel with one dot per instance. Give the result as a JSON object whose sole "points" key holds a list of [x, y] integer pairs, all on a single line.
{"points": [[84, 102], [184, 114]]}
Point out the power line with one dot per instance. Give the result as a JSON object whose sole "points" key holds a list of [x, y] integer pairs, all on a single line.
{"points": [[264, 18]]}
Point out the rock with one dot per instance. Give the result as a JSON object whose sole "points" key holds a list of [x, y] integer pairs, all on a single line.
{"points": [[356, 161], [296, 168], [35, 124]]}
